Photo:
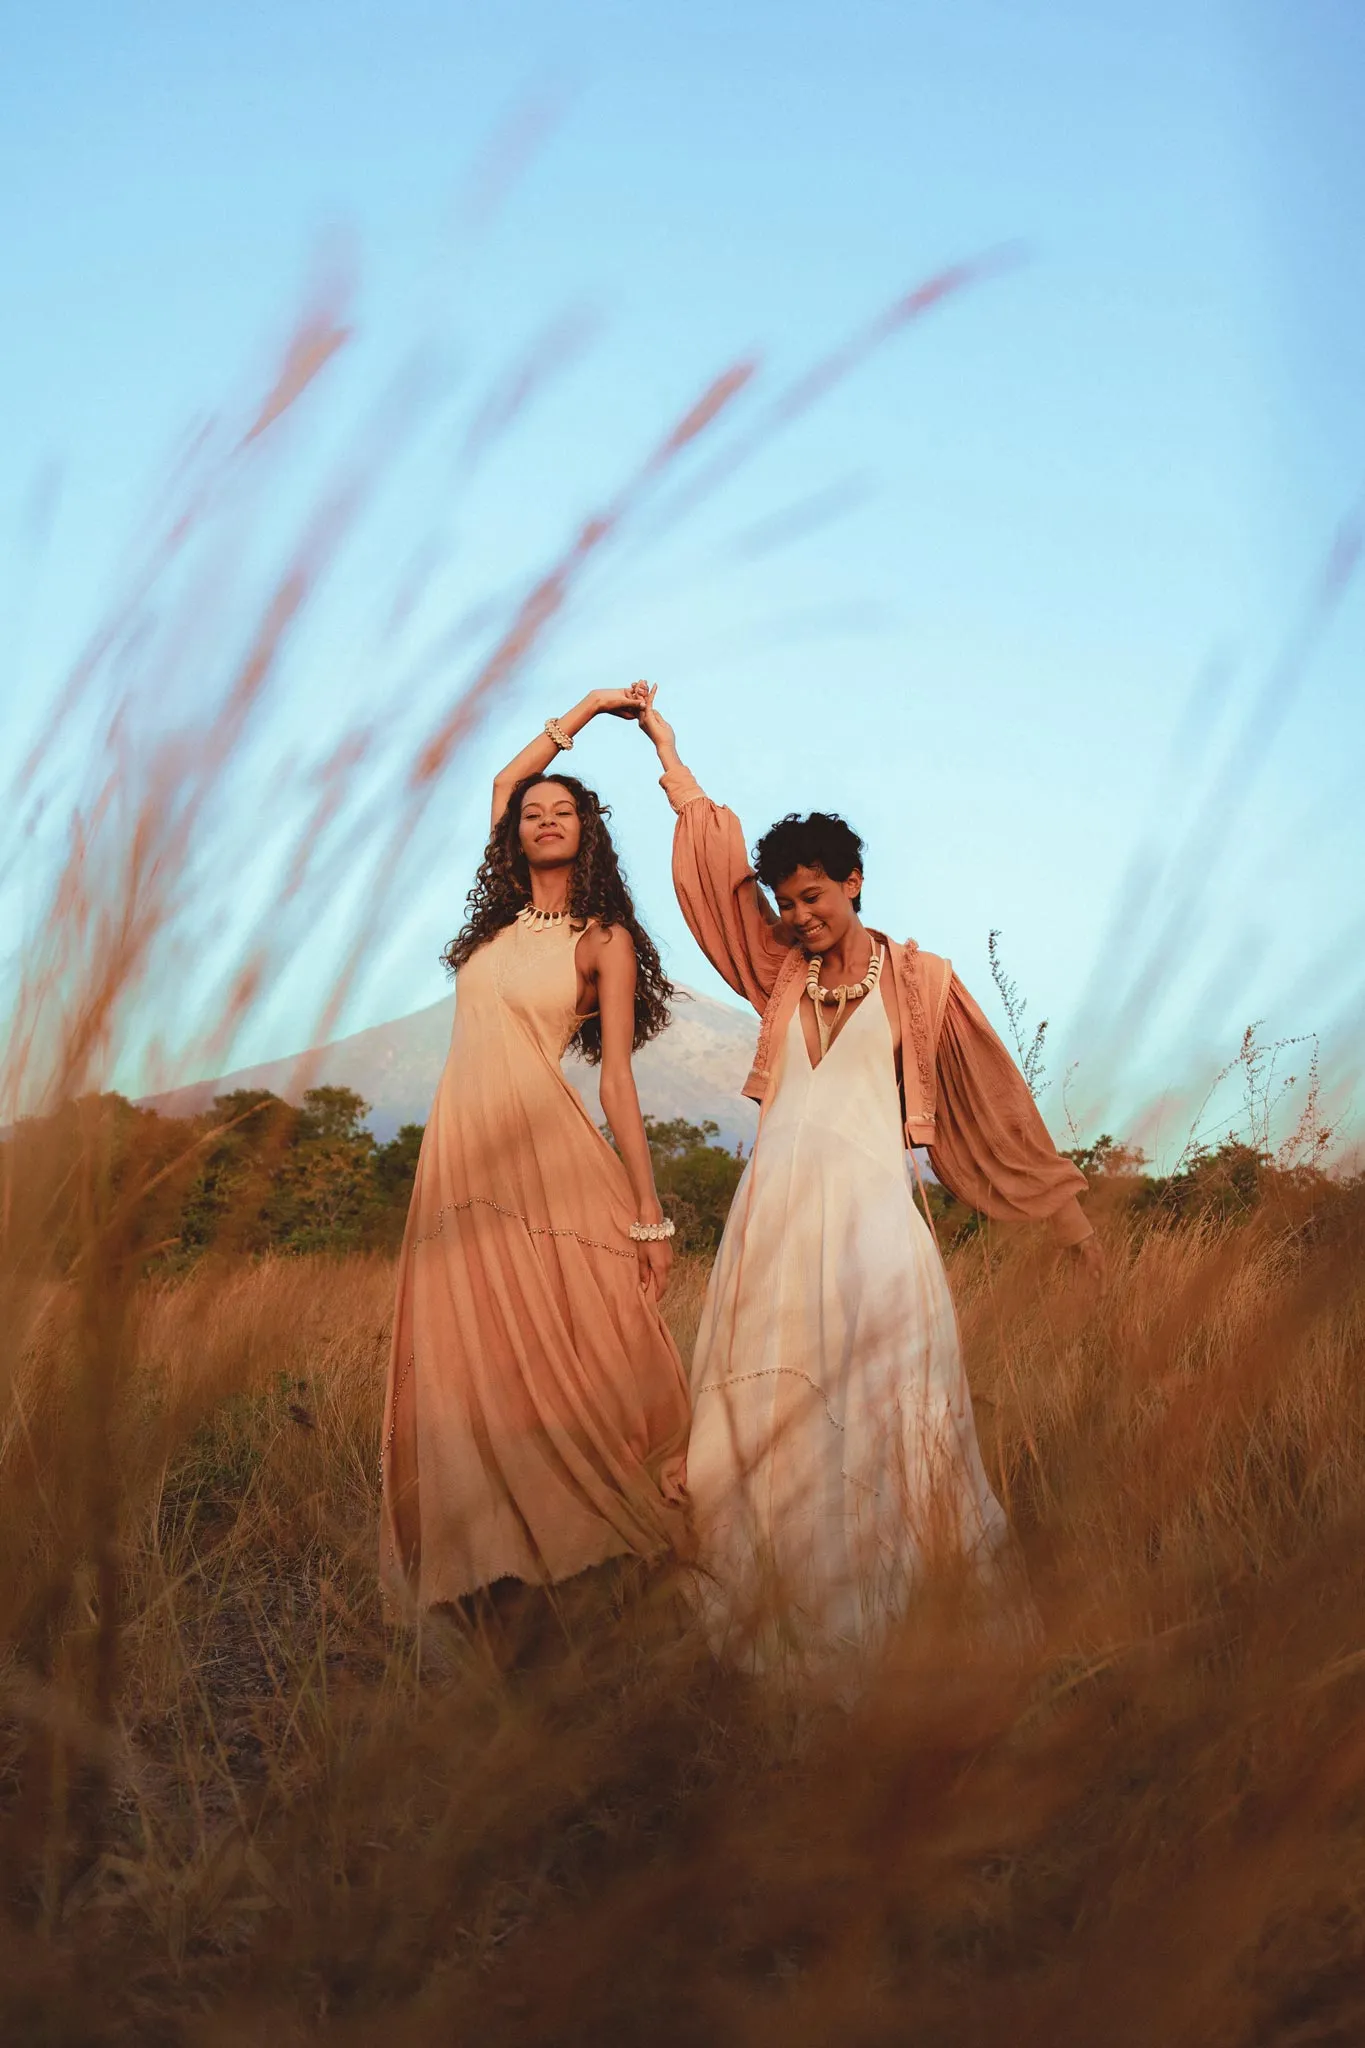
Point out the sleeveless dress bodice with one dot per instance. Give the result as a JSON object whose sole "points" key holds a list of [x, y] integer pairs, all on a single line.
{"points": [[525, 981]]}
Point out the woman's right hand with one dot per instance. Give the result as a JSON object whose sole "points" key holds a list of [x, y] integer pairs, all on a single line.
{"points": [[656, 1266], [620, 703]]}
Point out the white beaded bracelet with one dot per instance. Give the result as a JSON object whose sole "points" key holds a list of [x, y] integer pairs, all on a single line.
{"points": [[653, 1233], [562, 739]]}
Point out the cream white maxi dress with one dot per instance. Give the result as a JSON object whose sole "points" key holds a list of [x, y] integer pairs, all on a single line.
{"points": [[833, 1448]]}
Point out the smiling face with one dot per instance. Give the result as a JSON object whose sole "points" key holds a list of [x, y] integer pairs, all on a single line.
{"points": [[549, 828], [816, 908]]}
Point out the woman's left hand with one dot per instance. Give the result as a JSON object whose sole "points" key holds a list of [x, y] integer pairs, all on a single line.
{"points": [[656, 1264], [1088, 1259], [653, 724]]}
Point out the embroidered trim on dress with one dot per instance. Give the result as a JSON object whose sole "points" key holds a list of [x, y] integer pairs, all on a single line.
{"points": [[387, 1445], [919, 1026], [773, 1372], [793, 965], [513, 1216]]}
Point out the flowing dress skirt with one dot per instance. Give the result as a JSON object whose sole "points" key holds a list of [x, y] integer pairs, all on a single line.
{"points": [[833, 1448]]}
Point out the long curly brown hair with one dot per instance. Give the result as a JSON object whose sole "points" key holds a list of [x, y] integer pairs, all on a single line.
{"points": [[597, 889]]}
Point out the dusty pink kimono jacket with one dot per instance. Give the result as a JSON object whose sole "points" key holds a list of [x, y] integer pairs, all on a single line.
{"points": [[964, 1097]]}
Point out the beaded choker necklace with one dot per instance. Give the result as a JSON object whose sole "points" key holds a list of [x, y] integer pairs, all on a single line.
{"points": [[540, 920], [840, 997]]}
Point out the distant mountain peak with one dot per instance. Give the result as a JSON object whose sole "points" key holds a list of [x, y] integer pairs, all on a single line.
{"points": [[694, 1069]]}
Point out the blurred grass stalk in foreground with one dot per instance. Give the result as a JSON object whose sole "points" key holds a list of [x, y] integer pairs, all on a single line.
{"points": [[136, 822], [225, 1784]]}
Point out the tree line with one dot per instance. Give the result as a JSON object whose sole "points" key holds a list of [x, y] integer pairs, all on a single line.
{"points": [[255, 1174]]}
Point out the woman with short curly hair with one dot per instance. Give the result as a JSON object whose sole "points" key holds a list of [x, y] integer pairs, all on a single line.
{"points": [[536, 1414], [833, 1454]]}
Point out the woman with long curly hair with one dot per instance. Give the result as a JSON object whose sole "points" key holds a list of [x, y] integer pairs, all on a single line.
{"points": [[536, 1413]]}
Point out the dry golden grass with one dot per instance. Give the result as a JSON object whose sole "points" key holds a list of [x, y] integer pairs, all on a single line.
{"points": [[245, 1812], [234, 1808]]}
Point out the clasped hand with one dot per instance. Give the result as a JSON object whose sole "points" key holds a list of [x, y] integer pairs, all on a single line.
{"points": [[627, 703], [636, 702]]}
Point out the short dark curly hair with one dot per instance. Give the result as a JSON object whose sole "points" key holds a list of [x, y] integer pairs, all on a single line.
{"points": [[822, 840]]}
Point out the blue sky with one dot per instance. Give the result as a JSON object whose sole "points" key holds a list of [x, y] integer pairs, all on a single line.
{"points": [[1054, 539]]}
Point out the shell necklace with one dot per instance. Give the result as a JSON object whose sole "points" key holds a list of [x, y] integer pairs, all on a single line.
{"points": [[540, 920], [840, 997]]}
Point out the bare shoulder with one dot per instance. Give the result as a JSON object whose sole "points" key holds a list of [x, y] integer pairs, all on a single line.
{"points": [[603, 944]]}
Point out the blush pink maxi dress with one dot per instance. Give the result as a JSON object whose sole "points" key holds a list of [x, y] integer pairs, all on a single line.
{"points": [[536, 1410]]}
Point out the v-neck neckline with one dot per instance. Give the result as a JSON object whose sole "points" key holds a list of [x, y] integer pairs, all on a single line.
{"points": [[873, 995]]}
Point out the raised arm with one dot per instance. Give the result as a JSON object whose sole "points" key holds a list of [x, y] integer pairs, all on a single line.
{"points": [[992, 1148], [727, 913], [536, 756]]}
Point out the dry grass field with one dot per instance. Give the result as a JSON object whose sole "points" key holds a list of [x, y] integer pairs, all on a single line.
{"points": [[236, 1808]]}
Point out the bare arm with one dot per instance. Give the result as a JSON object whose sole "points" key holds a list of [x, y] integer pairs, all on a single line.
{"points": [[614, 960], [656, 727], [536, 756]]}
